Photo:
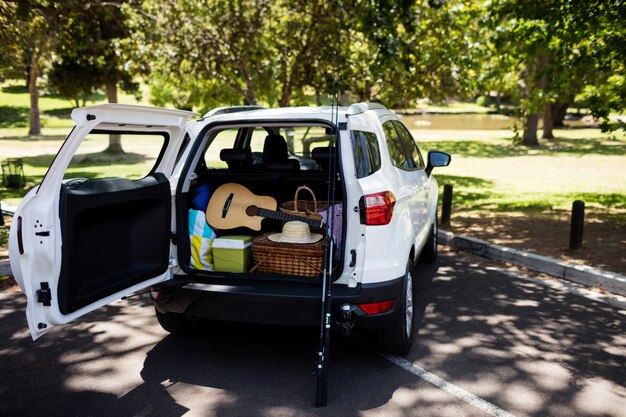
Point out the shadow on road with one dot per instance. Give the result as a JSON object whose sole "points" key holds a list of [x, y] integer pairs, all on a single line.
{"points": [[231, 369], [528, 349], [265, 369], [523, 346]]}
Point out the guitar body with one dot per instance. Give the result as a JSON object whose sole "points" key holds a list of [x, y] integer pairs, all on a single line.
{"points": [[228, 204]]}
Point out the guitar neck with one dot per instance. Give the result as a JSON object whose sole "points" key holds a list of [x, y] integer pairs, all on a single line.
{"points": [[285, 217]]}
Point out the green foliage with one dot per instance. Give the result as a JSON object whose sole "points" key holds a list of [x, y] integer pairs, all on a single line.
{"points": [[549, 51], [417, 50], [607, 97], [89, 52], [483, 101], [275, 51], [11, 62], [203, 54]]}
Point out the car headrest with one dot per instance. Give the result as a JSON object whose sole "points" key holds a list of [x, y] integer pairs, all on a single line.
{"points": [[322, 156], [237, 159], [274, 149]]}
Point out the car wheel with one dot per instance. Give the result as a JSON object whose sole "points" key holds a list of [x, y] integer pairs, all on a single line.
{"points": [[176, 323], [429, 252], [398, 338]]}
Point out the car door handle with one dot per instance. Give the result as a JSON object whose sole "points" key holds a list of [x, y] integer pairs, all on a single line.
{"points": [[352, 258]]}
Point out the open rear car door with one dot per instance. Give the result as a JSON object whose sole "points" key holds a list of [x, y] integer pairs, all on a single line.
{"points": [[75, 246]]}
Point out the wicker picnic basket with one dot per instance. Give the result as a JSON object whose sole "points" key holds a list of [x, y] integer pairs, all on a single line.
{"points": [[306, 208], [287, 258]]}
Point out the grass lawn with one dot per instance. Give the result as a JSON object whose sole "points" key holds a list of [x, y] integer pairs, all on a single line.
{"points": [[54, 111], [489, 174], [492, 177]]}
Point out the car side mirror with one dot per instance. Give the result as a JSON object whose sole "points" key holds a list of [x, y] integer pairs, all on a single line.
{"points": [[437, 159]]}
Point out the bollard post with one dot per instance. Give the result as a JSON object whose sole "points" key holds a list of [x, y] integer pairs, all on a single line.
{"points": [[1, 216], [576, 226], [446, 205]]}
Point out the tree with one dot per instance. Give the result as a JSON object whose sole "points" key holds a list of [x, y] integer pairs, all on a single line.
{"points": [[11, 57], [90, 55], [32, 26], [218, 52], [401, 51], [74, 80], [554, 49], [301, 31], [220, 43]]}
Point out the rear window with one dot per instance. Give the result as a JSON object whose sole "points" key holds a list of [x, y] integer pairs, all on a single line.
{"points": [[301, 140], [141, 154], [366, 153]]}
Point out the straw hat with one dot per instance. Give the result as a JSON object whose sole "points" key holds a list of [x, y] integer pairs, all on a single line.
{"points": [[295, 232]]}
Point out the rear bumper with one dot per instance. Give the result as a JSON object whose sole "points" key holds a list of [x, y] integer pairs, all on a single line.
{"points": [[273, 302]]}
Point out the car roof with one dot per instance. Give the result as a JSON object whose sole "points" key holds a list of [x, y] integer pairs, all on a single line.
{"points": [[323, 113]]}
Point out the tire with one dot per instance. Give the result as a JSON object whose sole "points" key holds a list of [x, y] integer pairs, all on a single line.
{"points": [[429, 251], [398, 338], [176, 323]]}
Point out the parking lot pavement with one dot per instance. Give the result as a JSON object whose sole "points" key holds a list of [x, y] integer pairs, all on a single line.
{"points": [[488, 345]]}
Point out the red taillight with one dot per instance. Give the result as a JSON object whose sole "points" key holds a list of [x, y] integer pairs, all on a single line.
{"points": [[377, 308], [379, 208]]}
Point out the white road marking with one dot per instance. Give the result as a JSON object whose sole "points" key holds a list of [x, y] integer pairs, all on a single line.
{"points": [[483, 405], [439, 382], [450, 388]]}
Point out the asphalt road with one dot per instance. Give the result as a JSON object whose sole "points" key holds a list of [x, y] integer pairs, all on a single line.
{"points": [[489, 344]]}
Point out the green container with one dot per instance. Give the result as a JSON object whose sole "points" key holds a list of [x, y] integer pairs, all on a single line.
{"points": [[232, 253]]}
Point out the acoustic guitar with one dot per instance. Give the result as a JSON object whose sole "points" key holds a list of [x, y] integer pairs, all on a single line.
{"points": [[233, 205]]}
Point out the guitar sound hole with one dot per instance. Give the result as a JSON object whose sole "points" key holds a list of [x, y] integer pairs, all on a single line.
{"points": [[251, 210]]}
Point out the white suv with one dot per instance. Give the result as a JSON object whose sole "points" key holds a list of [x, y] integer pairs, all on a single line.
{"points": [[78, 244]]}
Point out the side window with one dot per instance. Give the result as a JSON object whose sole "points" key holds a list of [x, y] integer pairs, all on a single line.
{"points": [[396, 150], [366, 153], [413, 151], [257, 139], [142, 153], [224, 139], [373, 150]]}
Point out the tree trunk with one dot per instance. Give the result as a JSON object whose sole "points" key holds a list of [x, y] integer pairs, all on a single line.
{"points": [[115, 141], [540, 76], [33, 91], [559, 110], [285, 99], [548, 124], [250, 98], [530, 130], [28, 76]]}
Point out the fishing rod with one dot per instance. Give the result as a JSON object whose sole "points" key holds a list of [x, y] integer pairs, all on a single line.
{"points": [[321, 394]]}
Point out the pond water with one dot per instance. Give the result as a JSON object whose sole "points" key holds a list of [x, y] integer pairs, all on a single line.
{"points": [[467, 121]]}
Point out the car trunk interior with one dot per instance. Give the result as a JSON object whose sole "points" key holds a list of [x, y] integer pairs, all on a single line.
{"points": [[278, 180]]}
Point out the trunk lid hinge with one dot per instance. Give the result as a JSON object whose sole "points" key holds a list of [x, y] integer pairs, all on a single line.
{"points": [[44, 295]]}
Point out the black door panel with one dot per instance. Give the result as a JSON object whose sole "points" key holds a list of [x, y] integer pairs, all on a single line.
{"points": [[115, 234]]}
